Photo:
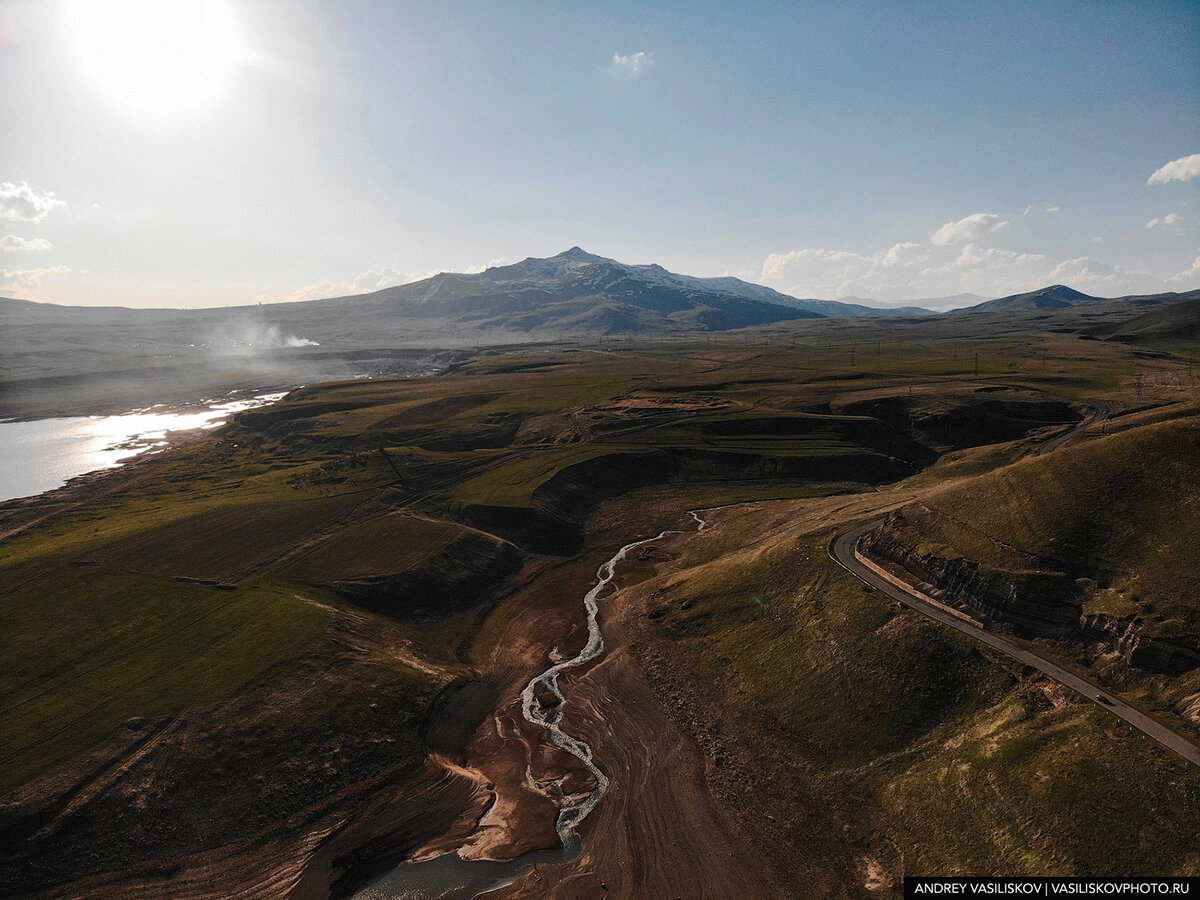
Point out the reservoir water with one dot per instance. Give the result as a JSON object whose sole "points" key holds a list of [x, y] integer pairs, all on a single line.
{"points": [[45, 454]]}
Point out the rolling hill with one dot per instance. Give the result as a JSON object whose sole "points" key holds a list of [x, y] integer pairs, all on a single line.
{"points": [[1168, 325], [1059, 296]]}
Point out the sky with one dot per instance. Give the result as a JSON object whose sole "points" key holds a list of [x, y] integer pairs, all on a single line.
{"points": [[196, 153]]}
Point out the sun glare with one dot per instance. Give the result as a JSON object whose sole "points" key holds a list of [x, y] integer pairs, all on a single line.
{"points": [[162, 63]]}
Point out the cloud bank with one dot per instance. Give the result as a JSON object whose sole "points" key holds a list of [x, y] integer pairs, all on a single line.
{"points": [[21, 203], [954, 261], [26, 284], [10, 243], [1183, 169], [363, 283]]}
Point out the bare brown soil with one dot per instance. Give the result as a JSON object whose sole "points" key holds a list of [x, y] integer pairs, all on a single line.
{"points": [[658, 832]]}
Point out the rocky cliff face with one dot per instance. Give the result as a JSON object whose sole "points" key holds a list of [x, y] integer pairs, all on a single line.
{"points": [[982, 594], [1189, 709], [1126, 637], [1037, 605]]}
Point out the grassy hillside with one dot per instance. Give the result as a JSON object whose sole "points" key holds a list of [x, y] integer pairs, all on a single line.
{"points": [[1123, 507], [921, 754], [1174, 327]]}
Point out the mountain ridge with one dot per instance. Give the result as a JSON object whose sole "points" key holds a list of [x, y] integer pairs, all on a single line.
{"points": [[582, 273], [572, 293], [576, 274], [927, 304]]}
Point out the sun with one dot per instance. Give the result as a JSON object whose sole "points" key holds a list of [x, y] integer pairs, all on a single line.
{"points": [[162, 63]]}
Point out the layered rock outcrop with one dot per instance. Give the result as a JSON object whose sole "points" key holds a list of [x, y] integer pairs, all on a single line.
{"points": [[1034, 603]]}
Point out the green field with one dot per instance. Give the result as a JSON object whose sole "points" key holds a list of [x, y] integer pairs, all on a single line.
{"points": [[98, 646]]}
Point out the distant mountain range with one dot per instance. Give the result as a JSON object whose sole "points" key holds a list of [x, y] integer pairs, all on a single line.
{"points": [[581, 292], [922, 306], [74, 360], [572, 294]]}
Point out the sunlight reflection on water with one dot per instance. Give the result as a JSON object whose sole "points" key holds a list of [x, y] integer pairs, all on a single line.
{"points": [[44, 454]]}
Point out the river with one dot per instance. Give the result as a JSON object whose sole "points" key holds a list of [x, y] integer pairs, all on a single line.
{"points": [[45, 454], [449, 877]]}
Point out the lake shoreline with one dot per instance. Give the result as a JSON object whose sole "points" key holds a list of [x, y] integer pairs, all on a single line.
{"points": [[20, 513], [77, 390], [244, 391], [45, 454]]}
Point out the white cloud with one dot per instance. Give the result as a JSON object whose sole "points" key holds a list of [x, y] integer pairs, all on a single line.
{"points": [[968, 229], [910, 270], [26, 284], [903, 272], [1192, 274], [1183, 169], [20, 202], [974, 257], [905, 253], [469, 270], [318, 290], [378, 279], [633, 64], [1168, 219], [1087, 274], [1053, 209], [824, 273], [11, 243]]}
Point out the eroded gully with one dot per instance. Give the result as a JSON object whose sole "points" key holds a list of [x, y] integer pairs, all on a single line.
{"points": [[451, 877]]}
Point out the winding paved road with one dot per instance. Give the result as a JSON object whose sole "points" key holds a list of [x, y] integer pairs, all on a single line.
{"points": [[1099, 414], [842, 549]]}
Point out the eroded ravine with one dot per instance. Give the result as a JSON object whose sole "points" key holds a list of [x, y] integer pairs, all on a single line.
{"points": [[450, 876], [574, 810]]}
